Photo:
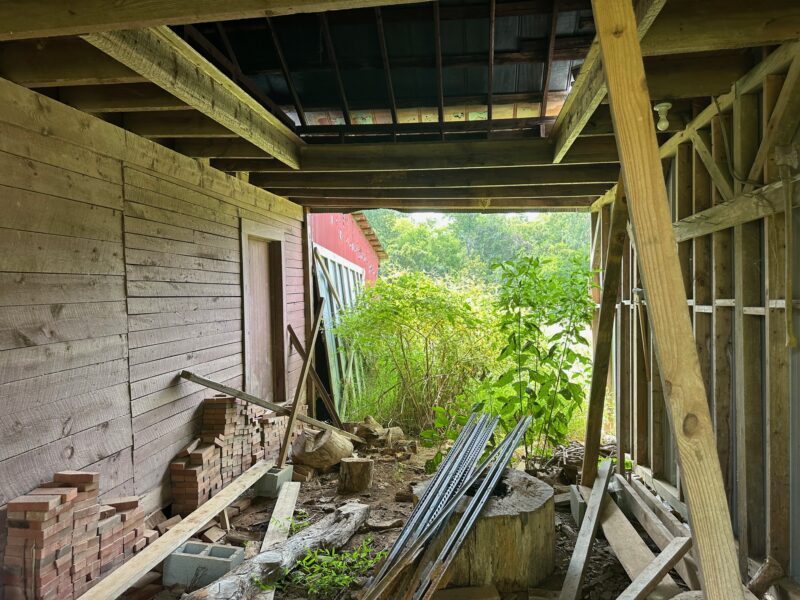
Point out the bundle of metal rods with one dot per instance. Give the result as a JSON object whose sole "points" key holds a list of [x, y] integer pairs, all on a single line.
{"points": [[457, 474]]}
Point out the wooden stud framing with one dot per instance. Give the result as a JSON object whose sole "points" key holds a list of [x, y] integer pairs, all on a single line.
{"points": [[684, 388], [287, 75], [747, 344], [166, 60]]}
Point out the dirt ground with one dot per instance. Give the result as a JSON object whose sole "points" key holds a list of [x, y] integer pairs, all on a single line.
{"points": [[605, 577]]}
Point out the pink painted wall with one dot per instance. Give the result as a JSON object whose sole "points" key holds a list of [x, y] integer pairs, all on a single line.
{"points": [[340, 234]]}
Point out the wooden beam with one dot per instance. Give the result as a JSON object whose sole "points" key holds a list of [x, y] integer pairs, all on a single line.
{"points": [[548, 62], [437, 46], [720, 177], [651, 576], [603, 337], [125, 576], [776, 62], [280, 522], [750, 497], [490, 64], [277, 408], [448, 204], [51, 63], [48, 18], [590, 86], [287, 75], [630, 549], [782, 123], [684, 389], [165, 59], [330, 405], [174, 124], [419, 156], [579, 190], [334, 64], [573, 580], [387, 67], [744, 208], [134, 97], [552, 174]]}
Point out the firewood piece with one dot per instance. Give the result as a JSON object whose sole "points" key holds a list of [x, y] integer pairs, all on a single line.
{"points": [[164, 527], [213, 535], [320, 449], [355, 475], [333, 531]]}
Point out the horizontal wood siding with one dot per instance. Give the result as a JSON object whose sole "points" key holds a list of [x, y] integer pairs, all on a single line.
{"points": [[120, 266]]}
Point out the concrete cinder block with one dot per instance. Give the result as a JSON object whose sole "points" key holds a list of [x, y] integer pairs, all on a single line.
{"points": [[577, 504], [270, 484], [199, 564]]}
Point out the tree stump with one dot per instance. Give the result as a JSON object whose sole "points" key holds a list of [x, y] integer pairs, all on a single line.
{"points": [[512, 544], [320, 449], [355, 475]]}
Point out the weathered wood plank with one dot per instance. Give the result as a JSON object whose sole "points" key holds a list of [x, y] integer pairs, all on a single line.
{"points": [[29, 174], [168, 61], [154, 306], [181, 249], [172, 319], [168, 289], [25, 471], [164, 335], [677, 356], [25, 210], [573, 580], [649, 578], [32, 428], [36, 325], [150, 353], [178, 261], [23, 363], [27, 252], [210, 360], [179, 275]]}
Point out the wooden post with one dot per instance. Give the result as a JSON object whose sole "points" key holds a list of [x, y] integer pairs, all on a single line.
{"points": [[604, 337], [301, 382], [637, 145], [326, 398], [776, 384], [750, 496]]}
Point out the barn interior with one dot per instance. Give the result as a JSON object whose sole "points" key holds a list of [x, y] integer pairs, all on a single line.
{"points": [[159, 163]]}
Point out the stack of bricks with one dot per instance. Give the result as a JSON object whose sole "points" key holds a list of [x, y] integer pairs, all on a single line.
{"points": [[230, 442], [85, 569], [38, 557], [134, 536], [196, 478]]}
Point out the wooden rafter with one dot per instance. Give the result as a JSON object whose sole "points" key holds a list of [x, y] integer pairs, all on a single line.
{"points": [[287, 75], [777, 61], [331, 51], [231, 64], [576, 204], [169, 62], [490, 70], [590, 87], [387, 68], [437, 45], [548, 63], [684, 389]]}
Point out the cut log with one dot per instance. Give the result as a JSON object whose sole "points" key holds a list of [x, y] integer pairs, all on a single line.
{"points": [[320, 449], [512, 544], [355, 475], [331, 532], [376, 434]]}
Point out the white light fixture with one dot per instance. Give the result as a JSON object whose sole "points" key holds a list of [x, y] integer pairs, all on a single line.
{"points": [[662, 108]]}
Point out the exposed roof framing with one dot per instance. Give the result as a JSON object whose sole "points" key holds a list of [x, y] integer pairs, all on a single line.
{"points": [[331, 51], [48, 18], [298, 105], [387, 67], [162, 57]]}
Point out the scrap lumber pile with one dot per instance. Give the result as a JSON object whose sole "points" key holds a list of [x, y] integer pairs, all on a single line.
{"points": [[62, 542]]}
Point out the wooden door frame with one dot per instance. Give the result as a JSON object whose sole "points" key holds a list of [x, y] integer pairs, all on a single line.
{"points": [[277, 276]]}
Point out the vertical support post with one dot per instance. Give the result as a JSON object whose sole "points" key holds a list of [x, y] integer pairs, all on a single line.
{"points": [[605, 335], [656, 441], [672, 332], [776, 387], [750, 516], [722, 322], [639, 395]]}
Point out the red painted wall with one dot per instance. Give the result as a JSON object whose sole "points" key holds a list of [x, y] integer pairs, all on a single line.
{"points": [[340, 234]]}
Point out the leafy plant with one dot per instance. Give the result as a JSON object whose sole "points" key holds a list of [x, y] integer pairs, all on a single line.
{"points": [[425, 342], [543, 316], [325, 572]]}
